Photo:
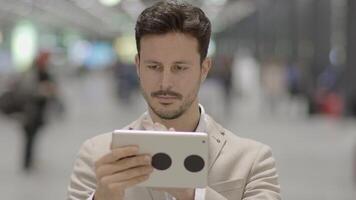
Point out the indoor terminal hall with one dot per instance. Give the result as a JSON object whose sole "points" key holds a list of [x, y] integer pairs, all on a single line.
{"points": [[283, 73]]}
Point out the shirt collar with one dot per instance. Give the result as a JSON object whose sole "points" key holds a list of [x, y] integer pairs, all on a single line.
{"points": [[202, 127], [202, 124]]}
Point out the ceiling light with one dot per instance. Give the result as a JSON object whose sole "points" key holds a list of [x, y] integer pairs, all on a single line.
{"points": [[24, 45], [216, 2], [109, 2]]}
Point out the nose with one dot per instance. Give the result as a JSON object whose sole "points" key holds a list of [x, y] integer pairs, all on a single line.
{"points": [[166, 80]]}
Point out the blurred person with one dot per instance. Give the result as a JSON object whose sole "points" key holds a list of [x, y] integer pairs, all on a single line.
{"points": [[274, 84], [353, 104], [219, 83], [295, 88], [293, 75], [246, 80], [43, 89], [226, 77], [172, 40], [246, 74], [126, 79], [27, 100], [328, 99]]}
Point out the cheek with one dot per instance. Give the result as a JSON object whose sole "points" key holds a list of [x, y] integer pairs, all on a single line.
{"points": [[189, 83], [148, 83], [191, 78]]}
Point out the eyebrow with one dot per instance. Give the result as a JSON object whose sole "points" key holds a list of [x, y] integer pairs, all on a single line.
{"points": [[181, 62], [151, 61]]}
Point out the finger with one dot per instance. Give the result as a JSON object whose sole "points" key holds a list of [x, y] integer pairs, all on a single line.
{"points": [[171, 129], [129, 183], [117, 154], [124, 164], [127, 175]]}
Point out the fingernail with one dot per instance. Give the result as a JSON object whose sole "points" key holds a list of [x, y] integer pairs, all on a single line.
{"points": [[147, 158], [135, 148]]}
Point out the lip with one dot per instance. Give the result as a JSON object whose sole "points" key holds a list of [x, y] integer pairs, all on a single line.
{"points": [[166, 99]]}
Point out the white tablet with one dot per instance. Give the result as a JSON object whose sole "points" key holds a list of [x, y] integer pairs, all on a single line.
{"points": [[179, 159]]}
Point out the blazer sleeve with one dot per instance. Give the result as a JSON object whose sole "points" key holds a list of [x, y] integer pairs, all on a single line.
{"points": [[262, 181], [83, 181]]}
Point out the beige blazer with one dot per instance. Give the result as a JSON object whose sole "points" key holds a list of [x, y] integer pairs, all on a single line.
{"points": [[239, 169]]}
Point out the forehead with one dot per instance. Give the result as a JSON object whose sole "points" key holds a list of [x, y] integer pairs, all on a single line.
{"points": [[170, 46]]}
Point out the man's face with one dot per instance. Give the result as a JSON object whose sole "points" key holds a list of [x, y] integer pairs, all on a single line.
{"points": [[170, 73]]}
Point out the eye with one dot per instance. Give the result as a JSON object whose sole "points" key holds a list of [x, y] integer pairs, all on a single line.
{"points": [[179, 68], [153, 67]]}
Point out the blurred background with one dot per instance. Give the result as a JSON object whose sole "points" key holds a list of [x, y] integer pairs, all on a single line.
{"points": [[284, 74]]}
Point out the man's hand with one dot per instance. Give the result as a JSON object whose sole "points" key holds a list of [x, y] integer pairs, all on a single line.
{"points": [[118, 170], [178, 193]]}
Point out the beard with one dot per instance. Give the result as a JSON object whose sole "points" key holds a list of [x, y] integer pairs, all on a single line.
{"points": [[166, 113]]}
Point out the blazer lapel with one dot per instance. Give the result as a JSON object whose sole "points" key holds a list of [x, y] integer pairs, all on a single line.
{"points": [[217, 140]]}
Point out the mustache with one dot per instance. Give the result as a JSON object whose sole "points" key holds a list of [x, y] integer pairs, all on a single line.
{"points": [[166, 93]]}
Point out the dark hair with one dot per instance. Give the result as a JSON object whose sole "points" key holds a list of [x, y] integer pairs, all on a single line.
{"points": [[172, 16]]}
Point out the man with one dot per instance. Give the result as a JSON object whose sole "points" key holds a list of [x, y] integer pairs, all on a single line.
{"points": [[172, 42]]}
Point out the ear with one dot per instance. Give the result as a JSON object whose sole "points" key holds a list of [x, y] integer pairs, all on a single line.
{"points": [[205, 68], [137, 63]]}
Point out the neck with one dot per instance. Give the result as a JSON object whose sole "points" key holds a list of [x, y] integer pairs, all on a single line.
{"points": [[187, 122]]}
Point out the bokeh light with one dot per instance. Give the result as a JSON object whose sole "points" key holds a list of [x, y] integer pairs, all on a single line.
{"points": [[109, 2], [125, 47], [24, 45]]}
